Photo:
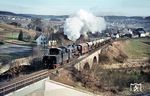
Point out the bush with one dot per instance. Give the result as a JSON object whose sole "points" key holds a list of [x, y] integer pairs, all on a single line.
{"points": [[119, 79], [23, 36], [1, 42], [121, 58], [36, 62], [20, 36], [104, 58]]}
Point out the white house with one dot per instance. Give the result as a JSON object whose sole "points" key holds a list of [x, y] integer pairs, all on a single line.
{"points": [[41, 40], [145, 34], [117, 35]]}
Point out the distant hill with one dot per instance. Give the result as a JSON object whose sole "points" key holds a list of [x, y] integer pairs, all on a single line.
{"points": [[13, 14], [44, 16], [7, 13], [123, 17], [147, 17], [53, 17], [33, 15]]}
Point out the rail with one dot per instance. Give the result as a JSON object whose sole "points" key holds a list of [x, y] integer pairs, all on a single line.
{"points": [[24, 82]]}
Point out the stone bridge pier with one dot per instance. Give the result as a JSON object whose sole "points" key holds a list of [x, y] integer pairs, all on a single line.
{"points": [[88, 62]]}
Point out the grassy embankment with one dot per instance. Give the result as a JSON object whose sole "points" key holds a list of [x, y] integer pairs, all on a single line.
{"points": [[138, 48]]}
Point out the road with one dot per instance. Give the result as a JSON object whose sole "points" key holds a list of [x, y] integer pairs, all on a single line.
{"points": [[13, 48]]}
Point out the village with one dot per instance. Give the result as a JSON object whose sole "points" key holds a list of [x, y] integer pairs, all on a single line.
{"points": [[41, 33]]}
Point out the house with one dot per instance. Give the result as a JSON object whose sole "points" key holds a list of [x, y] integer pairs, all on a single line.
{"points": [[127, 33], [115, 35], [41, 40], [140, 32]]}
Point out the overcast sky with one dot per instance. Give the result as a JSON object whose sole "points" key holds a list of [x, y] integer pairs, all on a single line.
{"points": [[67, 7]]}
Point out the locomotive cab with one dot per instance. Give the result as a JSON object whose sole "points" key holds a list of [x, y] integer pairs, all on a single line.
{"points": [[54, 58], [54, 51]]}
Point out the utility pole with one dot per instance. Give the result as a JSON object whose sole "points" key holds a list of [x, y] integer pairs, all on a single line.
{"points": [[12, 36], [44, 45]]}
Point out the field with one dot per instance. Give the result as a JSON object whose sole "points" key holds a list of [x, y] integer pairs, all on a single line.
{"points": [[138, 48], [8, 32], [12, 35]]}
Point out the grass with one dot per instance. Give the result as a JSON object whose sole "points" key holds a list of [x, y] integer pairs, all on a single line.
{"points": [[9, 34], [13, 35], [138, 48]]}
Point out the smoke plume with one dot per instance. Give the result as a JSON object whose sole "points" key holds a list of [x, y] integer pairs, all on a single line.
{"points": [[81, 23]]}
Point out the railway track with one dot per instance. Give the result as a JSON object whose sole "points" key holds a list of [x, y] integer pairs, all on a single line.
{"points": [[21, 82]]}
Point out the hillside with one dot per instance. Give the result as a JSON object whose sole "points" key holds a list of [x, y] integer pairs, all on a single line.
{"points": [[7, 13], [12, 32]]}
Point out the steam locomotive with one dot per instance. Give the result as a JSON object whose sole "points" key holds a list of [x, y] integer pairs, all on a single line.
{"points": [[64, 54]]}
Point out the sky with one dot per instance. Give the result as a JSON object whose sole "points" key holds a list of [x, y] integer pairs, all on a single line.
{"points": [[67, 7]]}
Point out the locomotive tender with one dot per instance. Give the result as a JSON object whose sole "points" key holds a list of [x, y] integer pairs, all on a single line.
{"points": [[64, 54]]}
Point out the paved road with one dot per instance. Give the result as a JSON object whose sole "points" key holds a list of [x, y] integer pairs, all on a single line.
{"points": [[12, 48]]}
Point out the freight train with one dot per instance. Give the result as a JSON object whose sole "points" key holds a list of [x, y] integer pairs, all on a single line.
{"points": [[64, 54]]}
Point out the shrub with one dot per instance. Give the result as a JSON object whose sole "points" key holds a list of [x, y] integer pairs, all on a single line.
{"points": [[1, 42], [20, 36], [36, 62], [103, 58], [23, 36], [121, 58], [120, 79]]}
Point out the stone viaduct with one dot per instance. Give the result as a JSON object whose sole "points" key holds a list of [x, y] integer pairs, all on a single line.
{"points": [[89, 61]]}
